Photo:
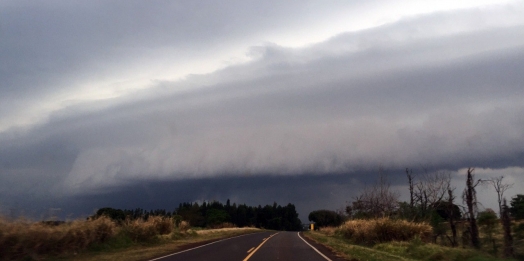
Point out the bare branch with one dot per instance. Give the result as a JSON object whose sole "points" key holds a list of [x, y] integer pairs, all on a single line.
{"points": [[499, 187]]}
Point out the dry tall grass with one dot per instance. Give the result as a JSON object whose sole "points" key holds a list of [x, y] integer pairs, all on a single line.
{"points": [[21, 238], [139, 230], [382, 230]]}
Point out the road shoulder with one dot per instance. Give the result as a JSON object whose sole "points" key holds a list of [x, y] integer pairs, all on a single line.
{"points": [[327, 251]]}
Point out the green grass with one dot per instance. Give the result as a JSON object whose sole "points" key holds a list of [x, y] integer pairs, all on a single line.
{"points": [[413, 250]]}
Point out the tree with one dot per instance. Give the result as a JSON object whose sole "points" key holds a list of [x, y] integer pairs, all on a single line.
{"points": [[452, 213], [375, 201], [469, 196], [447, 210], [500, 188], [488, 222], [112, 213], [427, 193], [506, 223], [409, 173], [517, 207], [216, 217], [326, 218], [431, 190]]}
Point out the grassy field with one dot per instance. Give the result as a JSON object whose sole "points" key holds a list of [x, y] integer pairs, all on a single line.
{"points": [[102, 239], [413, 250], [384, 239]]}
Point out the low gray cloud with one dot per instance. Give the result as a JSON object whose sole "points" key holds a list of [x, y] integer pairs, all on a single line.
{"points": [[404, 94]]}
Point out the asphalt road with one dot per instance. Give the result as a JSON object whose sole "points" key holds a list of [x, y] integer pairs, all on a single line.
{"points": [[266, 246]]}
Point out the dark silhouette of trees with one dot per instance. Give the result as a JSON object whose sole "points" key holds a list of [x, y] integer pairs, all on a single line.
{"points": [[214, 213], [447, 210], [114, 214], [517, 207], [326, 218]]}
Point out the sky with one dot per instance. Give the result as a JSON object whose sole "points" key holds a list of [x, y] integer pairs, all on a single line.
{"points": [[147, 104]]}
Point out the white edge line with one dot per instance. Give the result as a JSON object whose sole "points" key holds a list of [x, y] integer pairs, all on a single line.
{"points": [[158, 258], [313, 248]]}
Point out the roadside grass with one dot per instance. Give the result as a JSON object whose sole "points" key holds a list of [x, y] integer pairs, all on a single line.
{"points": [[350, 251], [102, 238], [389, 239], [375, 231], [412, 250], [123, 249]]}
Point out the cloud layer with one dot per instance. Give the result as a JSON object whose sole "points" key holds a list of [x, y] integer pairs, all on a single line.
{"points": [[89, 107]]}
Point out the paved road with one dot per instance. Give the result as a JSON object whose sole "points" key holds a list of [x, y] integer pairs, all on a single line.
{"points": [[266, 246]]}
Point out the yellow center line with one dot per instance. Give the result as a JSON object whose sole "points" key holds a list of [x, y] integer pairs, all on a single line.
{"points": [[263, 241], [251, 249]]}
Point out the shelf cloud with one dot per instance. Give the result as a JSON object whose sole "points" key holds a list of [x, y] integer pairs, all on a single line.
{"points": [[104, 95]]}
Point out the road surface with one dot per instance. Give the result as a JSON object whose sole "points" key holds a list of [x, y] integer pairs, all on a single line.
{"points": [[265, 246]]}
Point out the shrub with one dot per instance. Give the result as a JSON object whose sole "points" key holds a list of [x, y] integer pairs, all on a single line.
{"points": [[225, 225], [163, 225], [383, 230], [330, 231], [139, 230], [184, 226]]}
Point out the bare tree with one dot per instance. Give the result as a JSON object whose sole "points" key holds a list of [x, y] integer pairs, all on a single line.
{"points": [[500, 188], [431, 189], [469, 196], [377, 200], [409, 173]]}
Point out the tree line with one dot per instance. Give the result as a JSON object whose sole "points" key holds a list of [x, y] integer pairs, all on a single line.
{"points": [[214, 213]]}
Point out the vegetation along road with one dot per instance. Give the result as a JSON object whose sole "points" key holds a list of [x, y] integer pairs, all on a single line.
{"points": [[266, 246]]}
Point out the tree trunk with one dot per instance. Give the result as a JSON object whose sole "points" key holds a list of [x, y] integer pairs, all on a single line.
{"points": [[451, 220], [472, 205], [508, 239]]}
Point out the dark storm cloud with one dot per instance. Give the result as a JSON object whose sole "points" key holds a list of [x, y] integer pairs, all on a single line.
{"points": [[418, 92], [307, 192], [302, 118]]}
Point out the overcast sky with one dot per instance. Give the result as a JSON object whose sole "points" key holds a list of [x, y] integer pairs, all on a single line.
{"points": [[111, 103]]}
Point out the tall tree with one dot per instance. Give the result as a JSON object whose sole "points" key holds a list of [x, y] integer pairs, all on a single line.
{"points": [[517, 206], [432, 189], [500, 188], [378, 200], [325, 218], [506, 223], [451, 220], [470, 198]]}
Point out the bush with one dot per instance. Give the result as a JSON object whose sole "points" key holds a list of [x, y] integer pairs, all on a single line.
{"points": [[139, 230], [184, 226], [519, 231], [383, 230], [163, 225]]}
